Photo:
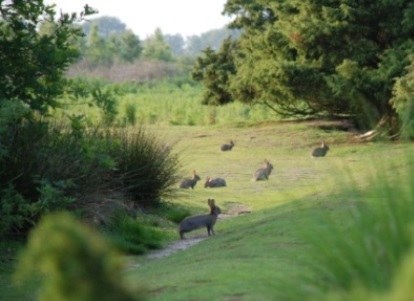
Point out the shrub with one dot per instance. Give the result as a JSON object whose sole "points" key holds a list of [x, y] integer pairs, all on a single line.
{"points": [[146, 169], [75, 263], [131, 114], [48, 166], [15, 211]]}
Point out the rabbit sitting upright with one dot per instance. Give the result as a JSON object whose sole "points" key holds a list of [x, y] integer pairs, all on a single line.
{"points": [[198, 221], [227, 147], [264, 172], [190, 182], [320, 151], [216, 182]]}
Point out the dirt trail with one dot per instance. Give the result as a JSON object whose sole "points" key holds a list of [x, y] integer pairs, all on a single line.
{"points": [[233, 209], [176, 246]]}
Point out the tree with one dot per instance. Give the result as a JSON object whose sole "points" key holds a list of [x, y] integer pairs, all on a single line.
{"points": [[99, 51], [32, 63], [105, 50], [107, 26], [176, 43], [129, 46], [214, 70], [213, 39], [155, 47], [322, 57]]}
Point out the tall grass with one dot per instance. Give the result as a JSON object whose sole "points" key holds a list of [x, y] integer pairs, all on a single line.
{"points": [[169, 102], [134, 236], [364, 244], [168, 105]]}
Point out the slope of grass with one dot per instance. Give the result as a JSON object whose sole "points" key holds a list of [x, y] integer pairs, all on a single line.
{"points": [[263, 255]]}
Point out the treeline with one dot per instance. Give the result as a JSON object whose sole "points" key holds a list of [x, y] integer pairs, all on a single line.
{"points": [[107, 41]]}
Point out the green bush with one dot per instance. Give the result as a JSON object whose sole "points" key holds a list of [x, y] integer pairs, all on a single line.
{"points": [[46, 167], [146, 169], [15, 211], [75, 264], [130, 114]]}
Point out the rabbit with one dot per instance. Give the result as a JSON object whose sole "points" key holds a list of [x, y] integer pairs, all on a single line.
{"points": [[264, 172], [320, 151], [190, 182], [198, 221], [227, 147], [216, 182]]}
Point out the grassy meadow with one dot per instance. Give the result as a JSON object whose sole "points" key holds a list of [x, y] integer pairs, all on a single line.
{"points": [[265, 255], [332, 228]]}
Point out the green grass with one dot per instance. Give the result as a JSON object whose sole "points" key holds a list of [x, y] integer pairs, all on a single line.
{"points": [[268, 254], [264, 255]]}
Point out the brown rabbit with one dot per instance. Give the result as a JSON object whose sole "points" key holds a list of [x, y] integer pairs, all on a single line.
{"points": [[264, 172], [227, 147], [190, 182], [320, 151], [216, 182], [198, 221]]}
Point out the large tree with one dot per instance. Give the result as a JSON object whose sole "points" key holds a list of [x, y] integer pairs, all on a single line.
{"points": [[32, 62], [214, 69], [155, 47], [326, 56], [106, 25]]}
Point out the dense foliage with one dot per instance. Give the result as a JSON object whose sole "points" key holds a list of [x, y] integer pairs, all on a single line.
{"points": [[32, 64], [215, 69], [123, 47], [157, 48], [109, 42], [322, 57], [47, 165]]}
